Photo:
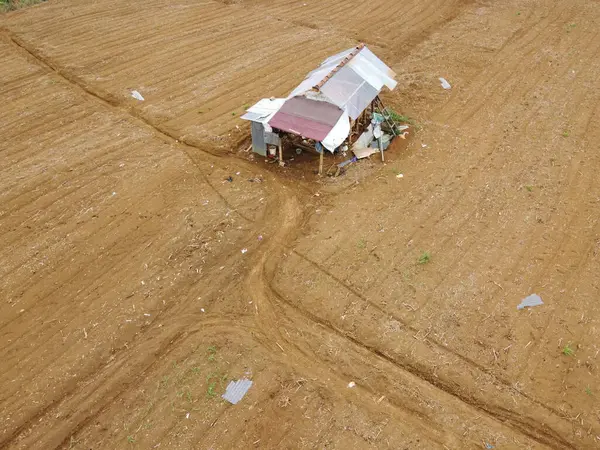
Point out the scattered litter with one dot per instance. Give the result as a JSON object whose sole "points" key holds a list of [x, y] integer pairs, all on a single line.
{"points": [[229, 178], [147, 315], [237, 173], [530, 301], [400, 175], [187, 416], [488, 446], [351, 384], [244, 250], [202, 309], [298, 151], [423, 145], [445, 84], [364, 152], [385, 139], [114, 193], [349, 161], [236, 390], [260, 238], [137, 96]]}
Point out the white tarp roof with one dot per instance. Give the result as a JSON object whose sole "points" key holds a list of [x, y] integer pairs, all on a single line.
{"points": [[338, 133], [264, 110], [355, 84]]}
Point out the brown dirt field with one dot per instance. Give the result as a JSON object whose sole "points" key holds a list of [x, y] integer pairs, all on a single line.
{"points": [[127, 303]]}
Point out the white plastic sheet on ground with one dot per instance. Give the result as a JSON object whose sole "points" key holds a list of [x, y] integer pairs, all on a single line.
{"points": [[137, 96]]}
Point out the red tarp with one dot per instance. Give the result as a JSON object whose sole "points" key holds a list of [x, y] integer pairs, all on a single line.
{"points": [[312, 119]]}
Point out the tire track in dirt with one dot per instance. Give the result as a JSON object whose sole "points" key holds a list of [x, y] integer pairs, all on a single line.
{"points": [[261, 290], [42, 412], [522, 424], [108, 100], [493, 82], [431, 341]]}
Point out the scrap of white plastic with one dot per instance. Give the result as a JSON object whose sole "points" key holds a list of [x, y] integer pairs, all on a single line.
{"points": [[445, 84], [530, 301], [338, 133], [377, 131], [137, 96], [236, 390], [364, 139]]}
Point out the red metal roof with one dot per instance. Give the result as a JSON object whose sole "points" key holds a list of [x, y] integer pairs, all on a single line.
{"points": [[305, 117]]}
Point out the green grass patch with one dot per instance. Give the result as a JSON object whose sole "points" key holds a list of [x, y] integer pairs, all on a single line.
{"points": [[212, 380], [13, 5], [568, 350], [401, 118], [210, 391], [424, 258], [212, 353]]}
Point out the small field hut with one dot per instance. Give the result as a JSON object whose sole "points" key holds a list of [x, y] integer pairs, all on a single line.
{"points": [[326, 106]]}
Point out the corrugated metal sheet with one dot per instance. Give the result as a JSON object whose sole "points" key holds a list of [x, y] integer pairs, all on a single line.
{"points": [[236, 390], [258, 139], [272, 138], [305, 117], [263, 110]]}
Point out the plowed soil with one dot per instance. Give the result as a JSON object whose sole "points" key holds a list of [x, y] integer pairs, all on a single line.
{"points": [[137, 278]]}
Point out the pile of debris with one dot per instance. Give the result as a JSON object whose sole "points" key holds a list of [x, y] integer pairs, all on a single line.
{"points": [[336, 107]]}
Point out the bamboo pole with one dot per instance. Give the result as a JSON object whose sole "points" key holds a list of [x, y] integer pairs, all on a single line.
{"points": [[280, 154], [321, 161]]}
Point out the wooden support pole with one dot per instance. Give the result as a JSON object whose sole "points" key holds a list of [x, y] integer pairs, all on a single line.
{"points": [[319, 147], [280, 153], [321, 161]]}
